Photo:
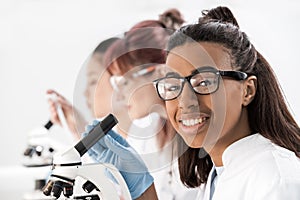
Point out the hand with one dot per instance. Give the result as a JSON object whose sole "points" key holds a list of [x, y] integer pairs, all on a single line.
{"points": [[115, 150], [76, 126]]}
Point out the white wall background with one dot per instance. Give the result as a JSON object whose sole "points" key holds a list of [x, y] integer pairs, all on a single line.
{"points": [[44, 43]]}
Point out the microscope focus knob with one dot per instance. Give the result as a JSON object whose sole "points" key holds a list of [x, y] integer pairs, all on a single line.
{"points": [[48, 188], [88, 186]]}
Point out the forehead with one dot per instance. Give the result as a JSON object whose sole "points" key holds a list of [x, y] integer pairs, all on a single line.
{"points": [[186, 58]]}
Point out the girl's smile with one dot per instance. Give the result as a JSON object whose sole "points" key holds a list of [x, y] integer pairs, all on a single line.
{"points": [[193, 123]]}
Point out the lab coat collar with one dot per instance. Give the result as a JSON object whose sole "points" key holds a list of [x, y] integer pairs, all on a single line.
{"points": [[242, 150]]}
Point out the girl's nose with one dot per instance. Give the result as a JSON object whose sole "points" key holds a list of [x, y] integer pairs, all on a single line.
{"points": [[188, 100]]}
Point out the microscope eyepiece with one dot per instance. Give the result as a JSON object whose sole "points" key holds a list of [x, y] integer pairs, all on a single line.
{"points": [[48, 125], [95, 134]]}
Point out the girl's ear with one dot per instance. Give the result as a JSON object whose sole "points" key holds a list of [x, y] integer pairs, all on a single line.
{"points": [[250, 86]]}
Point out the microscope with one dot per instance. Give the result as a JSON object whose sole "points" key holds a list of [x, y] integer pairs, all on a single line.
{"points": [[41, 145], [39, 150], [38, 155], [38, 158], [103, 179]]}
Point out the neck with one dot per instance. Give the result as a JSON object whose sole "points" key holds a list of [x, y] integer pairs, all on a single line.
{"points": [[236, 133], [121, 132]]}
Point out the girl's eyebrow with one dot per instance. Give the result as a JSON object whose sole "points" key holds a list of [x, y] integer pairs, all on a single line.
{"points": [[195, 71], [203, 68]]}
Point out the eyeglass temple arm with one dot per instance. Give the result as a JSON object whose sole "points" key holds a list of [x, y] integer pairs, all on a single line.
{"points": [[234, 74]]}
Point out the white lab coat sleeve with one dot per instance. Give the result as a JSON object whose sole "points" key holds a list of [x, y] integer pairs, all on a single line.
{"points": [[283, 189]]}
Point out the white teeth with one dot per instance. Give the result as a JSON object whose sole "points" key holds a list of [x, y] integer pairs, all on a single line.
{"points": [[188, 122], [192, 122]]}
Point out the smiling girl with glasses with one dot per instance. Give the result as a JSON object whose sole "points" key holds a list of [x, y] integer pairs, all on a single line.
{"points": [[223, 98]]}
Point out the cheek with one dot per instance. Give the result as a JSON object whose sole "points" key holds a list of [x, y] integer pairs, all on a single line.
{"points": [[136, 99], [143, 99], [232, 105], [145, 95], [234, 96], [102, 99], [171, 108], [87, 94]]}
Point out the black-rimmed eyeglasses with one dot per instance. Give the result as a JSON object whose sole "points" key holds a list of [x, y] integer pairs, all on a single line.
{"points": [[204, 80]]}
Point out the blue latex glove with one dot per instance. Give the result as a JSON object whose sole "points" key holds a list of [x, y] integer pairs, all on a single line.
{"points": [[114, 149]]}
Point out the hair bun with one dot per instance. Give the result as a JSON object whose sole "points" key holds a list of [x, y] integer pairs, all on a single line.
{"points": [[172, 18], [222, 14]]}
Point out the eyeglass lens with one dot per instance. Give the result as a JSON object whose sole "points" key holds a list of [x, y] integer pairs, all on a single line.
{"points": [[202, 83]]}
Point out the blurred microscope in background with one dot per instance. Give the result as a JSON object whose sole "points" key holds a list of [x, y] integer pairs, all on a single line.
{"points": [[42, 144], [39, 154], [39, 151]]}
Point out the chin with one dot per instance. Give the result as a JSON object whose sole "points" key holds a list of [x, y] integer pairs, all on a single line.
{"points": [[193, 142], [134, 116]]}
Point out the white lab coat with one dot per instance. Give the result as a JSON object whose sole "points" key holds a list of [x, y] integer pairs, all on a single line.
{"points": [[257, 169], [161, 165]]}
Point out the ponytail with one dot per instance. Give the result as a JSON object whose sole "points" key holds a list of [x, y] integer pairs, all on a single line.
{"points": [[221, 14], [268, 112]]}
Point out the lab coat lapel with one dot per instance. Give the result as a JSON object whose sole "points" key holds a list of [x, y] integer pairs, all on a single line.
{"points": [[207, 185]]}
